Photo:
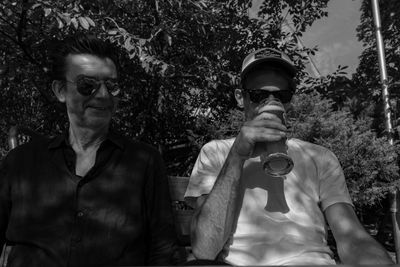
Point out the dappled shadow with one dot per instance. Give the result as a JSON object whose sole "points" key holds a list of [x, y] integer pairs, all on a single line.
{"points": [[120, 217], [280, 221], [257, 178]]}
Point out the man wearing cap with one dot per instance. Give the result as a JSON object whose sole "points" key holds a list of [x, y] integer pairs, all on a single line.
{"points": [[247, 217]]}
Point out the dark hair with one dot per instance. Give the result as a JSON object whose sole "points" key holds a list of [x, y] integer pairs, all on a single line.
{"points": [[79, 44]]}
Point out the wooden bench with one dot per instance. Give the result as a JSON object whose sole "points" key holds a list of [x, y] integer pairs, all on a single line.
{"points": [[182, 215]]}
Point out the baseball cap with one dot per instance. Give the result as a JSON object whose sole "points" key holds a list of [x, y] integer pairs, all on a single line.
{"points": [[270, 56]]}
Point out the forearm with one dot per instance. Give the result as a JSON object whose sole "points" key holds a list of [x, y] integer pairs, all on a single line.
{"points": [[365, 250], [214, 220]]}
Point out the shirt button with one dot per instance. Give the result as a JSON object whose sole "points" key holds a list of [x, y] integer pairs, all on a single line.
{"points": [[80, 214]]}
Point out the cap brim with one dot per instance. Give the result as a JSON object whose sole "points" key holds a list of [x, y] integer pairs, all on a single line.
{"points": [[273, 62]]}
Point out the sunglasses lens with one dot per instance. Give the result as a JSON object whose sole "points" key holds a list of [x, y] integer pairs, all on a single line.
{"points": [[284, 96], [112, 87], [257, 96], [87, 86]]}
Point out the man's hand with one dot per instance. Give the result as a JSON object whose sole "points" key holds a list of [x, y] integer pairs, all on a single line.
{"points": [[265, 127]]}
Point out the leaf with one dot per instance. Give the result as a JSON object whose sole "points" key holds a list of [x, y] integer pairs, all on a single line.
{"points": [[90, 21], [83, 23], [128, 46], [60, 23], [66, 17], [47, 11], [75, 23], [168, 38], [113, 32], [163, 70], [156, 4], [36, 5], [142, 41]]}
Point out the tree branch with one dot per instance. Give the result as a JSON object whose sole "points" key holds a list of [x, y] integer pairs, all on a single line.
{"points": [[43, 93], [22, 21], [8, 22], [9, 37], [23, 48], [30, 59]]}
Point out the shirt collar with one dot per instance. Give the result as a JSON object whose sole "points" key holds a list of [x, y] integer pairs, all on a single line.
{"points": [[62, 140]]}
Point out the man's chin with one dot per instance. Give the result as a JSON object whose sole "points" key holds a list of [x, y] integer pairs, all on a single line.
{"points": [[97, 120], [100, 110]]}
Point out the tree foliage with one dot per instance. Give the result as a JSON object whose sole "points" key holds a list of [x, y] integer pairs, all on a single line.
{"points": [[180, 59], [180, 62], [369, 162], [367, 77]]}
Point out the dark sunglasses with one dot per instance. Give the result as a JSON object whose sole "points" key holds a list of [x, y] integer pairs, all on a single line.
{"points": [[258, 95], [87, 86]]}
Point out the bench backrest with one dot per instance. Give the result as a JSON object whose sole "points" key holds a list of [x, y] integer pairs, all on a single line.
{"points": [[181, 211]]}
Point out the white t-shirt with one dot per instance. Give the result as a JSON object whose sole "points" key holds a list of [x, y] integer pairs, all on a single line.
{"points": [[281, 221]]}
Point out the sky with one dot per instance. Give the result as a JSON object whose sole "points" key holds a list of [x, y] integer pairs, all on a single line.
{"points": [[335, 36]]}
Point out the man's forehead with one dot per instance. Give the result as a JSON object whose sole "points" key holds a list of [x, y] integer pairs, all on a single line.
{"points": [[267, 71], [90, 65], [262, 76]]}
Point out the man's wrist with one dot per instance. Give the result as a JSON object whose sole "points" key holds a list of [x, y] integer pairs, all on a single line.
{"points": [[236, 157]]}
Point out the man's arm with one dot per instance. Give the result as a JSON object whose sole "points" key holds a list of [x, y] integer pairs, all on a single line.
{"points": [[214, 219], [354, 244]]}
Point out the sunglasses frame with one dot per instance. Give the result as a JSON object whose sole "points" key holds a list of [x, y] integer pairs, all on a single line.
{"points": [[282, 95], [95, 85]]}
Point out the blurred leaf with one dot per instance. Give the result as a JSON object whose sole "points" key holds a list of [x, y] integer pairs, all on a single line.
{"points": [[75, 23], [83, 23], [47, 11], [60, 23], [36, 5], [90, 21]]}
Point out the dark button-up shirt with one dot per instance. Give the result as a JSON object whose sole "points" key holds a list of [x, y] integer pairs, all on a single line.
{"points": [[117, 214]]}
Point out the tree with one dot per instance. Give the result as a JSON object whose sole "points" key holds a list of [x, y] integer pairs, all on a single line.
{"points": [[367, 78], [181, 59], [369, 162]]}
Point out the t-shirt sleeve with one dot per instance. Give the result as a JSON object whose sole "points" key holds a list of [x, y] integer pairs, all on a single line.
{"points": [[205, 171], [333, 188]]}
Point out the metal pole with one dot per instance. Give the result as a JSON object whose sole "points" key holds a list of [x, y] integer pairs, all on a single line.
{"points": [[382, 70], [388, 116]]}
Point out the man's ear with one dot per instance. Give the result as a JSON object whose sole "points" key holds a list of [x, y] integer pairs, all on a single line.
{"points": [[239, 98], [58, 88]]}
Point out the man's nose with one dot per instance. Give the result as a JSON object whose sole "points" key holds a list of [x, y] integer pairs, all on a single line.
{"points": [[103, 91], [271, 97]]}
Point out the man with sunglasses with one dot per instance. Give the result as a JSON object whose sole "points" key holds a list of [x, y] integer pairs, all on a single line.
{"points": [[245, 216], [88, 197]]}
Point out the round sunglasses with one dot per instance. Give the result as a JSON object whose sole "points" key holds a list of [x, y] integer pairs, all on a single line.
{"points": [[258, 95], [87, 86]]}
